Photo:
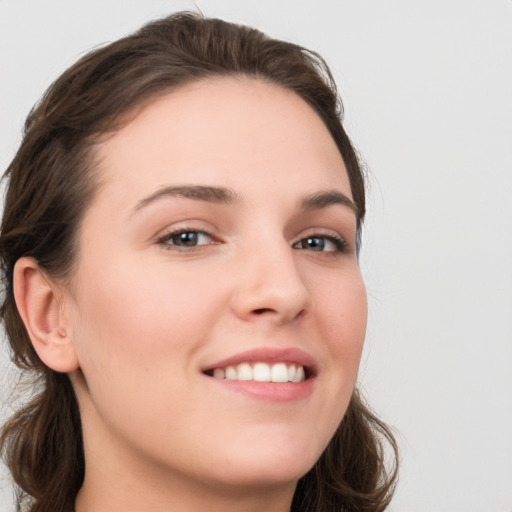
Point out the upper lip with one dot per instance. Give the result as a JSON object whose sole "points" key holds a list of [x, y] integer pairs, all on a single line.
{"points": [[267, 355]]}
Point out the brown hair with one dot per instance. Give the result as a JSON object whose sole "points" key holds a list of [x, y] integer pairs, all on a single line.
{"points": [[52, 180]]}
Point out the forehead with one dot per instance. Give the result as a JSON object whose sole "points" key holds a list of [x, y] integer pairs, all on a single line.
{"points": [[235, 132]]}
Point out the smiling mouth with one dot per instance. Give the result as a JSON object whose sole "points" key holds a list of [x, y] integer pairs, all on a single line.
{"points": [[262, 372]]}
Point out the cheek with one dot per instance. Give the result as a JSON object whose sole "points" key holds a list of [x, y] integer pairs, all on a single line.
{"points": [[343, 315], [137, 333], [344, 311], [135, 321]]}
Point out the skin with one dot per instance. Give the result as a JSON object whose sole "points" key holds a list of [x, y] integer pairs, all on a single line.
{"points": [[142, 317]]}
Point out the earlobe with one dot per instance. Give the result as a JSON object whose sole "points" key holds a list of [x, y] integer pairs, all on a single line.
{"points": [[39, 305]]}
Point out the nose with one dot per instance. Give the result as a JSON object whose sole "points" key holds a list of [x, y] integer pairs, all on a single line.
{"points": [[268, 285]]}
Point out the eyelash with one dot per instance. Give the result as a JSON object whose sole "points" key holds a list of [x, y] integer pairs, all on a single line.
{"points": [[339, 243]]}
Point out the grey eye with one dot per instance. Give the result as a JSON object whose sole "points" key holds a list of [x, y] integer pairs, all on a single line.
{"points": [[313, 243], [321, 244], [188, 239]]}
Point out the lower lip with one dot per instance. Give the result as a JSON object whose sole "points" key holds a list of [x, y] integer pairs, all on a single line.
{"points": [[270, 391]]}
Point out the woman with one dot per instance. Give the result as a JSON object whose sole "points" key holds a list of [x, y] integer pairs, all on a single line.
{"points": [[179, 245]]}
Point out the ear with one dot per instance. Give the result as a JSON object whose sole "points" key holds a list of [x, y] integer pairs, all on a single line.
{"points": [[39, 302]]}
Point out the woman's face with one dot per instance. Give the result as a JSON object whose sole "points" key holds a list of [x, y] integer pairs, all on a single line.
{"points": [[220, 243]]}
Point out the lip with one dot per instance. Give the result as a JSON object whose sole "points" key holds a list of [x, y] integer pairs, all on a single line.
{"points": [[267, 355], [268, 391]]}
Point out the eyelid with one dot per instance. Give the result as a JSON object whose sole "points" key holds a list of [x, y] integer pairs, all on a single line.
{"points": [[320, 232], [184, 225]]}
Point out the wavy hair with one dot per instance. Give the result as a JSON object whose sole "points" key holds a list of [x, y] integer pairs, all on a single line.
{"points": [[52, 180]]}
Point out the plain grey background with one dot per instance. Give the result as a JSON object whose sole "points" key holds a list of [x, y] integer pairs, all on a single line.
{"points": [[427, 88]]}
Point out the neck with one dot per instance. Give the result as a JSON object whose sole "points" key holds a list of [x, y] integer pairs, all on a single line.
{"points": [[118, 478], [103, 493]]}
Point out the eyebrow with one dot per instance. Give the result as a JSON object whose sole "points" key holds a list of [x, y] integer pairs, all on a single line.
{"points": [[222, 195], [319, 200], [201, 193]]}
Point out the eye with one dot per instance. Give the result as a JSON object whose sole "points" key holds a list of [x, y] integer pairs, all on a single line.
{"points": [[186, 238], [321, 243]]}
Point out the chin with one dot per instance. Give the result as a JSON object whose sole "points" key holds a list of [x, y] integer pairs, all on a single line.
{"points": [[264, 477], [275, 463]]}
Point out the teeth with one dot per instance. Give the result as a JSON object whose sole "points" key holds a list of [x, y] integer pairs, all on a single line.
{"points": [[279, 373], [244, 372], [231, 373], [219, 373], [299, 375], [262, 372]]}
